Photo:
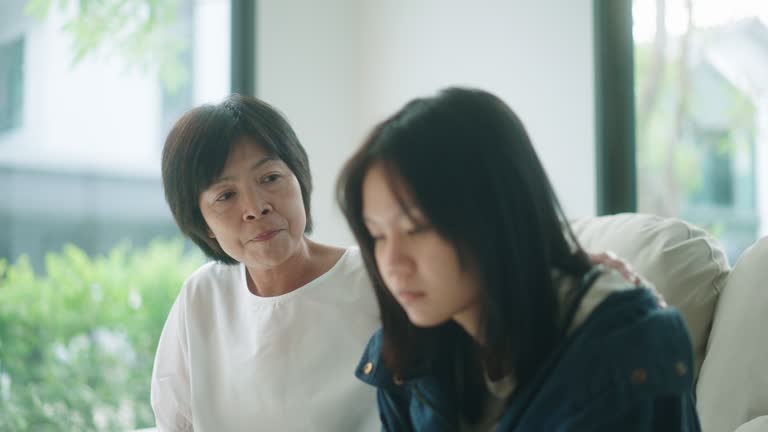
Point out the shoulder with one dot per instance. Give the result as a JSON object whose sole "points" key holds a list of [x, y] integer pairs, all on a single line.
{"points": [[350, 270], [635, 309], [371, 362], [634, 346], [213, 273], [630, 351], [351, 262], [211, 279], [371, 368]]}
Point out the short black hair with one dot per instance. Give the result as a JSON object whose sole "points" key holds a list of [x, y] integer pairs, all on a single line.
{"points": [[197, 149], [469, 164]]}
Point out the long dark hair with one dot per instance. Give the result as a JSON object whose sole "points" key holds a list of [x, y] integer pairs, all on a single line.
{"points": [[472, 170]]}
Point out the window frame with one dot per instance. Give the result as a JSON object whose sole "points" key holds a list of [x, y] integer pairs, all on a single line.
{"points": [[243, 46], [615, 142]]}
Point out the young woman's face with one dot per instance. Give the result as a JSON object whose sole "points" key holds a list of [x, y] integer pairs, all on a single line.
{"points": [[255, 209], [419, 267]]}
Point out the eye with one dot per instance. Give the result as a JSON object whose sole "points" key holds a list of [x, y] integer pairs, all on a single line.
{"points": [[377, 238], [271, 178], [375, 235], [418, 229], [225, 196]]}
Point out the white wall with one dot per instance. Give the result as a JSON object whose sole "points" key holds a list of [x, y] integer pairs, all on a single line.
{"points": [[761, 165], [308, 66], [337, 67]]}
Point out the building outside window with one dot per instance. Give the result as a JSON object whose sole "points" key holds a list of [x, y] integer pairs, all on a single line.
{"points": [[701, 91], [11, 83]]}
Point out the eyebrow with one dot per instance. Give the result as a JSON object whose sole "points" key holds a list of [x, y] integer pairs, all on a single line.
{"points": [[253, 167], [412, 213]]}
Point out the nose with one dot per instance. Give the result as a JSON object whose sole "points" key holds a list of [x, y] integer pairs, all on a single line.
{"points": [[395, 260], [255, 207]]}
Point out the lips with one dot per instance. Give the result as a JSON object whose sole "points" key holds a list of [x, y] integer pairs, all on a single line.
{"points": [[266, 235], [407, 297]]}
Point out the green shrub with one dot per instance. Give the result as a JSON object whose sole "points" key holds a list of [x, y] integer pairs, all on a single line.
{"points": [[77, 344]]}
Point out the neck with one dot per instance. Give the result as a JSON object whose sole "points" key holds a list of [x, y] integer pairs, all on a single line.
{"points": [[469, 320], [288, 276]]}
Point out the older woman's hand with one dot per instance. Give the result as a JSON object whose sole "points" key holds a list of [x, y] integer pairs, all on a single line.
{"points": [[615, 262]]}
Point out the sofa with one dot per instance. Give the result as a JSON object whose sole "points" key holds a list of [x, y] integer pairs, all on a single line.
{"points": [[726, 309]]}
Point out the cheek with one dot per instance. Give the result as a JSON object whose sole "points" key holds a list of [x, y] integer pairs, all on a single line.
{"points": [[377, 252], [218, 222], [210, 220], [443, 260], [294, 200], [448, 275], [381, 267], [377, 256], [468, 286]]}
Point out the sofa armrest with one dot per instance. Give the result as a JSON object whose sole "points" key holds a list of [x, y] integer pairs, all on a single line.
{"points": [[733, 386], [759, 424]]}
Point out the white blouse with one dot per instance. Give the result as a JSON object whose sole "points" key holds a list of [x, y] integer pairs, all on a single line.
{"points": [[228, 360]]}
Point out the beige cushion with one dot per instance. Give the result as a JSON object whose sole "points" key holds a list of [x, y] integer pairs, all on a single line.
{"points": [[684, 263], [733, 385], [759, 424]]}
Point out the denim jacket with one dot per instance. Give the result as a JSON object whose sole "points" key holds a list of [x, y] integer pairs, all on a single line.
{"points": [[628, 367]]}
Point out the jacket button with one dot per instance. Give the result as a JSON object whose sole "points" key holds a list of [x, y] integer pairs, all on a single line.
{"points": [[397, 379], [639, 376], [368, 368], [680, 368]]}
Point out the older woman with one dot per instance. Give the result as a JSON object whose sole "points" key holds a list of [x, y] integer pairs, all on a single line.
{"points": [[263, 337]]}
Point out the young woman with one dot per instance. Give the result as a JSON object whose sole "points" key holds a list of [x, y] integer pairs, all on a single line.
{"points": [[493, 317]]}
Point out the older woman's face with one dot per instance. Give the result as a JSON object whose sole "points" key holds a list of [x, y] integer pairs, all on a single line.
{"points": [[419, 267], [255, 209]]}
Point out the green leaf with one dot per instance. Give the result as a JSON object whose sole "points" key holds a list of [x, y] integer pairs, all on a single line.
{"points": [[53, 329], [142, 33], [37, 9]]}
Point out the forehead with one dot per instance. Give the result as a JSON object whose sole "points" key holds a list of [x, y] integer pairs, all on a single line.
{"points": [[385, 195], [247, 154], [379, 185], [246, 146]]}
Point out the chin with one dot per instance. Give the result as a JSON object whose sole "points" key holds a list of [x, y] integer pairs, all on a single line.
{"points": [[425, 321]]}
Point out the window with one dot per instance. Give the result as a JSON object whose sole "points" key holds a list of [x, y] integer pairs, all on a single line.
{"points": [[90, 258], [701, 76], [11, 83], [682, 113]]}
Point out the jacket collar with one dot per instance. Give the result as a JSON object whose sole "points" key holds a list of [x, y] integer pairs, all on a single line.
{"points": [[371, 368]]}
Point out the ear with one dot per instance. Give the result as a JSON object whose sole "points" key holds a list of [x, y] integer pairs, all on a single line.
{"points": [[210, 233]]}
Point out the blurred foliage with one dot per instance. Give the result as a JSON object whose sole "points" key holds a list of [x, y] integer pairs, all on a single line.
{"points": [[696, 128], [77, 344], [667, 145], [145, 34]]}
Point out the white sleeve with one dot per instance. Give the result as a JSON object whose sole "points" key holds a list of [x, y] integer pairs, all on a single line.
{"points": [[171, 393]]}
